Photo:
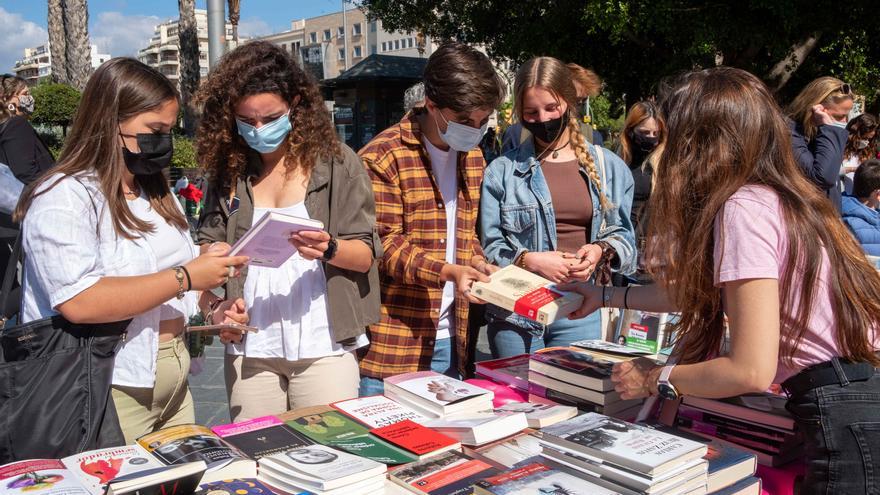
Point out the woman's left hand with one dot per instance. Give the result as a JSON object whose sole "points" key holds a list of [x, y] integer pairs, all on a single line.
{"points": [[311, 244], [636, 378], [589, 255], [231, 312]]}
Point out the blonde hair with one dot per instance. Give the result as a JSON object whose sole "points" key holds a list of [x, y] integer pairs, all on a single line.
{"points": [[586, 80], [552, 75], [821, 91]]}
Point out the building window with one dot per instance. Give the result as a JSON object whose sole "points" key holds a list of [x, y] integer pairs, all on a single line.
{"points": [[340, 32], [342, 54], [384, 46], [397, 44], [372, 49], [313, 37], [295, 46], [357, 52], [373, 27], [410, 42], [356, 29], [326, 35]]}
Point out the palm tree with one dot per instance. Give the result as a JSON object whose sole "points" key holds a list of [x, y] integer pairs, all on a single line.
{"points": [[234, 14], [188, 51], [77, 47], [57, 44]]}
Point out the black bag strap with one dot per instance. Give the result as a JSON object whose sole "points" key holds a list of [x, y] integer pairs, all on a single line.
{"points": [[9, 277]]}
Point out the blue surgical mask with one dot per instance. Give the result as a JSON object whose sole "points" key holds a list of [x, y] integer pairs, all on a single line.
{"points": [[267, 138], [461, 137]]}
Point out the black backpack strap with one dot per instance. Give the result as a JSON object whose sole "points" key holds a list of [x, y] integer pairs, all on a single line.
{"points": [[9, 277]]}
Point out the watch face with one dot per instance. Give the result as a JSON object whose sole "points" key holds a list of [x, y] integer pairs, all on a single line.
{"points": [[667, 392]]}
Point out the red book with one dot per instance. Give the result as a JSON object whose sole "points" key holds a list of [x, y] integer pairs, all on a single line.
{"points": [[413, 437]]}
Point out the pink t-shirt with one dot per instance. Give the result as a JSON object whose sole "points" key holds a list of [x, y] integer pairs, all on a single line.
{"points": [[750, 242]]}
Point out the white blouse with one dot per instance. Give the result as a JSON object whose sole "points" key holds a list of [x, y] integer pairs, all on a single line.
{"points": [[288, 305], [68, 248]]}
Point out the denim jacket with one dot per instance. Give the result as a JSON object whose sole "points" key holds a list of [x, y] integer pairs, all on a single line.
{"points": [[516, 214]]}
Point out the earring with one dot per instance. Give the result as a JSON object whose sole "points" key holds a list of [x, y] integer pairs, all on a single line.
{"points": [[11, 107]]}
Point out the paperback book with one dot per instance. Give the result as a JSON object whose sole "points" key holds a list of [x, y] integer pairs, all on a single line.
{"points": [[376, 411], [537, 479], [512, 371], [479, 428], [416, 439], [436, 395], [241, 486], [451, 473], [513, 451], [762, 409], [189, 443], [96, 468], [642, 330], [572, 365], [539, 415], [267, 242], [262, 436], [527, 294], [320, 468]]}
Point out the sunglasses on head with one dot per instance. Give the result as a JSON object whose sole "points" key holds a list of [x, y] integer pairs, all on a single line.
{"points": [[844, 89]]}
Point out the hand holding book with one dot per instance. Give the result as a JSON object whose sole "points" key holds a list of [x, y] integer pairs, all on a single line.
{"points": [[311, 244]]}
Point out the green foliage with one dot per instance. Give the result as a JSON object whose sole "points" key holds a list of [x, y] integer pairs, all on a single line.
{"points": [[55, 104], [184, 153], [607, 115], [850, 60]]}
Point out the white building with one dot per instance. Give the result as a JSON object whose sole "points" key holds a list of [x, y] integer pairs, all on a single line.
{"points": [[163, 51], [37, 62]]}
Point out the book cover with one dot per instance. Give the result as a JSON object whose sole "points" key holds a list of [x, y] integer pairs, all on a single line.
{"points": [[188, 443], [267, 242], [513, 371], [438, 390], [376, 411], [42, 476], [642, 330], [262, 436], [451, 473], [746, 486], [479, 428], [595, 396], [415, 438], [322, 467], [509, 452], [740, 436], [239, 486], [539, 415], [573, 366], [95, 468], [527, 294], [537, 393], [327, 426], [609, 348], [538, 478], [764, 409], [180, 479], [637, 447], [769, 432]]}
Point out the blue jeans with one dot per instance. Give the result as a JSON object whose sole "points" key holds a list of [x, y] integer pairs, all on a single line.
{"points": [[507, 339], [841, 428], [443, 361]]}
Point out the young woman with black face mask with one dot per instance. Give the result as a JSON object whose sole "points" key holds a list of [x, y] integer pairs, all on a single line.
{"points": [[105, 241], [641, 142]]}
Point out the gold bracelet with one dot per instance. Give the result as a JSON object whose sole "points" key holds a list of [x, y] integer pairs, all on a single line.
{"points": [[520, 261]]}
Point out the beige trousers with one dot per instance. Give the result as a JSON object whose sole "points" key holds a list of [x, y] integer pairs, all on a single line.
{"points": [[266, 386], [168, 403]]}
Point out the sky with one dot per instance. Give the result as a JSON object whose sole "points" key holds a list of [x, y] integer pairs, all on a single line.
{"points": [[121, 27]]}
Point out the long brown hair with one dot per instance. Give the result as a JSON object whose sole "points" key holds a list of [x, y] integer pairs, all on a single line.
{"points": [[255, 68], [9, 86], [552, 75], [823, 90], [120, 89], [638, 113], [858, 127], [726, 131]]}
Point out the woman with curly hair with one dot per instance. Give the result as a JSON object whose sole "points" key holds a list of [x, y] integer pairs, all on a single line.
{"points": [[267, 145], [861, 145]]}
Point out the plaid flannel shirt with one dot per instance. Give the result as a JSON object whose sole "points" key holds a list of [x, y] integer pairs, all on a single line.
{"points": [[411, 219]]}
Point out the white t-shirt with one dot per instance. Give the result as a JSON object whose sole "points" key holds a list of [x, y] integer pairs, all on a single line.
{"points": [[444, 165], [288, 305]]}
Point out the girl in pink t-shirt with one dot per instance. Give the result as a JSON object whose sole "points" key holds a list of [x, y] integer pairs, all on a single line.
{"points": [[744, 234]]}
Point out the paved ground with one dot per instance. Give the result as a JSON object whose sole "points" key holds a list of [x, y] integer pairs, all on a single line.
{"points": [[209, 391]]}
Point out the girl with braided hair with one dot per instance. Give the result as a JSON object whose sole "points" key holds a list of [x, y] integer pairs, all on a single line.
{"points": [[554, 205]]}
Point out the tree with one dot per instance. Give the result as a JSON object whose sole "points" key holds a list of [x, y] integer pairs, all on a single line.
{"points": [[77, 47], [57, 44], [234, 15], [188, 40], [54, 104], [632, 44]]}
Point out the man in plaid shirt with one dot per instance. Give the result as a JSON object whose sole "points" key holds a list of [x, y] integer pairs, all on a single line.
{"points": [[426, 172]]}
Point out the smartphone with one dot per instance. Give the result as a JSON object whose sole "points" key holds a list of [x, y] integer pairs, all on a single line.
{"points": [[222, 326]]}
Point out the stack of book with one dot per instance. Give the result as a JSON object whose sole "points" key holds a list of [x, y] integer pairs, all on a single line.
{"points": [[434, 395], [512, 371], [538, 478], [322, 470], [452, 473], [758, 423], [626, 458], [578, 377]]}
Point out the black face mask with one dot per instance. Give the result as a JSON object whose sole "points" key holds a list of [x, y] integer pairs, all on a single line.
{"points": [[546, 131], [645, 143], [155, 154]]}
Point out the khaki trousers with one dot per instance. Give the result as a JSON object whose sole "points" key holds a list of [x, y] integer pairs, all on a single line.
{"points": [[267, 386], [168, 403]]}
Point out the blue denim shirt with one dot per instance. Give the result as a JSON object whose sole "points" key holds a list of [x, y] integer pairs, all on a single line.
{"points": [[516, 214]]}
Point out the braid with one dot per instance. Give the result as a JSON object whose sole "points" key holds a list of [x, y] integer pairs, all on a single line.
{"points": [[585, 159]]}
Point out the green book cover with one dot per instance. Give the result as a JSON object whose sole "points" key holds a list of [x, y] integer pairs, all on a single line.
{"points": [[328, 426]]}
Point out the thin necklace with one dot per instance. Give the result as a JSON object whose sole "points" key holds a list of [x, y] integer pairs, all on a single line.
{"points": [[555, 152]]}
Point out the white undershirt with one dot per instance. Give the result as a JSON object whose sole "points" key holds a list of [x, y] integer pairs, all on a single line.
{"points": [[288, 305], [444, 165]]}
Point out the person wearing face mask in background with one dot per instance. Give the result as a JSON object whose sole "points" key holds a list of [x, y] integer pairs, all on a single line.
{"points": [[267, 144], [105, 241], [860, 146], [426, 172], [555, 206], [641, 141], [20, 146], [817, 120]]}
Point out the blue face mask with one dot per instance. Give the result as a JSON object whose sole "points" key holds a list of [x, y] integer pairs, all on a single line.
{"points": [[267, 138], [461, 137]]}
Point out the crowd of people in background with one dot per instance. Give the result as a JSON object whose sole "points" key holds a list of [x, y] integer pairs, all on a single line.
{"points": [[747, 220]]}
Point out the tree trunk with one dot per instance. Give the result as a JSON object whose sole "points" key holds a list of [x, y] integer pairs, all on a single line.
{"points": [[783, 70], [234, 15], [188, 39], [57, 43], [77, 49]]}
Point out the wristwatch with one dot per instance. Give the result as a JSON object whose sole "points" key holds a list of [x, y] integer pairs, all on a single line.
{"points": [[664, 388], [332, 244]]}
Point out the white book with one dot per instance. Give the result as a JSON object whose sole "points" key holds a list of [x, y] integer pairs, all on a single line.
{"points": [[527, 294], [96, 468], [435, 393], [370, 486], [538, 478], [539, 415], [267, 242], [320, 467], [479, 428], [640, 448], [377, 411]]}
